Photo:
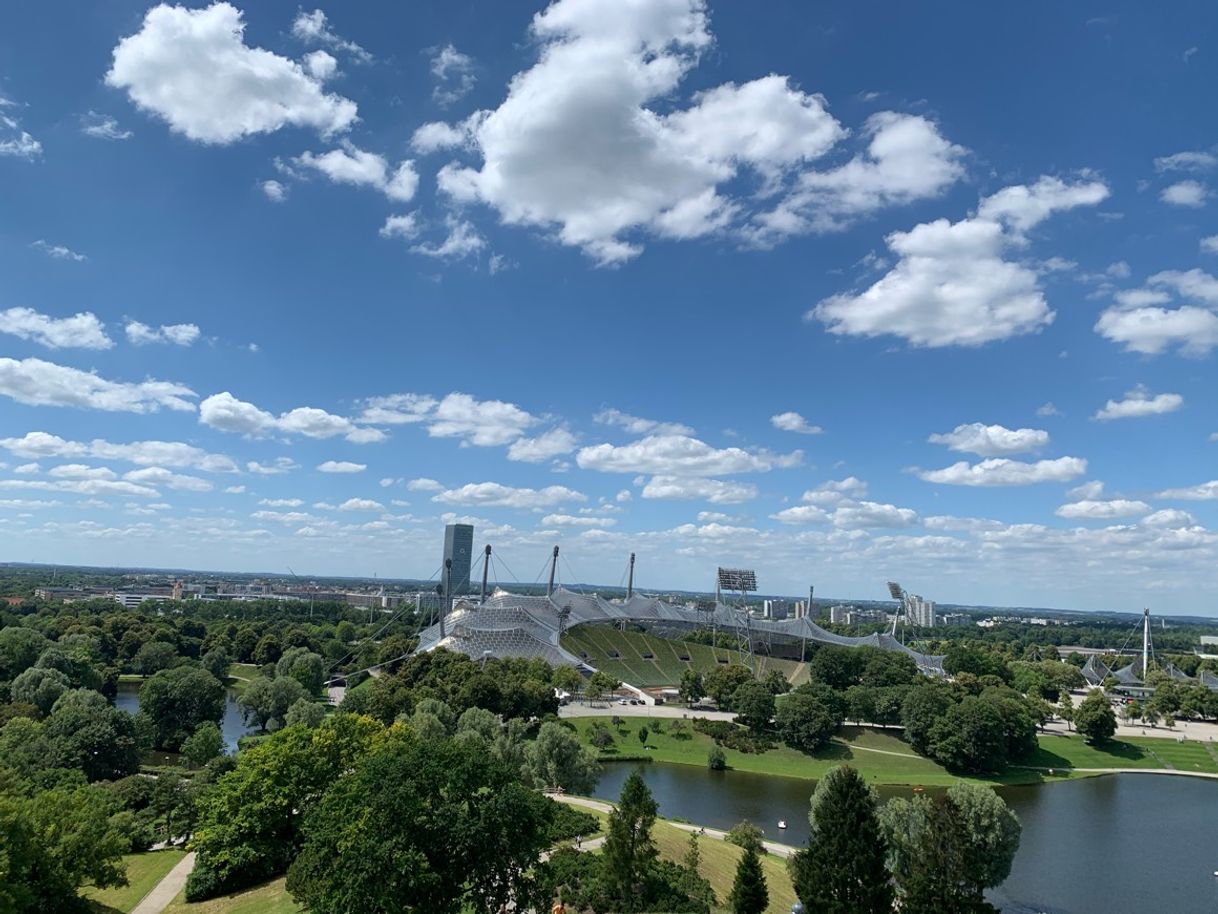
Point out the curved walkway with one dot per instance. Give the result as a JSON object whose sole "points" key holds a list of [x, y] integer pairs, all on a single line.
{"points": [[1176, 772], [167, 889]]}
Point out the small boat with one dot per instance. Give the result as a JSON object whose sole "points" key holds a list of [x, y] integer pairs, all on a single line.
{"points": [[782, 823]]}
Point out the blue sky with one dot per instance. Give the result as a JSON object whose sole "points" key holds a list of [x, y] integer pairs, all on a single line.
{"points": [[846, 294]]}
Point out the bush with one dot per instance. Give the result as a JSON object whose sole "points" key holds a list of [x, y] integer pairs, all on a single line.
{"points": [[715, 759], [745, 834], [570, 822], [728, 734]]}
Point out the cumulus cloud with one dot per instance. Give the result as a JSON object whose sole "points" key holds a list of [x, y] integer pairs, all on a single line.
{"points": [[1191, 194], [276, 467], [225, 412], [352, 165], [1206, 491], [192, 69], [869, 514], [275, 191], [14, 141], [423, 484], [715, 491], [159, 476], [484, 423], [404, 225], [280, 502], [398, 409], [579, 146], [38, 383], [951, 285], [58, 251], [1089, 509], [314, 28], [361, 504], [178, 334], [1139, 321], [462, 241], [636, 425], [1000, 471], [102, 127], [454, 74], [495, 495], [144, 453], [341, 466], [81, 331], [1138, 403], [568, 520], [1209, 244], [681, 456], [86, 486], [794, 422], [549, 444], [991, 440], [1186, 161]]}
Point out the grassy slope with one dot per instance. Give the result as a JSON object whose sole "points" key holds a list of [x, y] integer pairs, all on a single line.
{"points": [[883, 758], [665, 666], [268, 898], [143, 872], [240, 676]]}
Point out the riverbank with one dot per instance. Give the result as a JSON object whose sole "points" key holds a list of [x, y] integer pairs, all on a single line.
{"points": [[886, 760]]}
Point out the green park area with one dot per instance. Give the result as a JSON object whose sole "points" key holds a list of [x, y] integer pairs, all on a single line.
{"points": [[885, 759], [143, 872], [269, 898]]}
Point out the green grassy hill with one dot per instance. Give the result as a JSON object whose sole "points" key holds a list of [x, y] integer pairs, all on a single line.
{"points": [[649, 660]]}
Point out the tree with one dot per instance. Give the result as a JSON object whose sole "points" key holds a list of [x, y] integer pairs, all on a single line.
{"points": [[217, 661], [843, 870], [567, 678], [629, 849], [178, 700], [601, 683], [715, 759], [423, 827], [745, 834], [556, 759], [691, 687], [204, 744], [722, 682], [754, 704], [1065, 708], [993, 834], [267, 651], [73, 662], [19, 650], [643, 734], [749, 893], [1093, 718], [923, 707], [306, 667], [265, 702], [693, 885], [94, 736], [305, 712], [803, 721], [39, 687], [154, 656], [970, 737]]}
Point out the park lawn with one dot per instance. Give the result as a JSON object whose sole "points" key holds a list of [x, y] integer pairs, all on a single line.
{"points": [[880, 756], [143, 872], [269, 898], [1186, 756], [1058, 751], [241, 675], [718, 867]]}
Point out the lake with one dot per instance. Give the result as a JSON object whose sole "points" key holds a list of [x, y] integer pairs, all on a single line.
{"points": [[1123, 844], [232, 725]]}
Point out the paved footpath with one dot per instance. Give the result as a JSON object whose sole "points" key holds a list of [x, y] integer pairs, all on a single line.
{"points": [[167, 889]]}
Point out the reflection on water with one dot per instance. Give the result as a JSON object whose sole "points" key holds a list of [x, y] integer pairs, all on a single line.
{"points": [[1127, 844], [231, 726]]}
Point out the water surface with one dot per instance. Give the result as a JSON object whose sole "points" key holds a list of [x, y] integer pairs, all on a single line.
{"points": [[232, 726]]}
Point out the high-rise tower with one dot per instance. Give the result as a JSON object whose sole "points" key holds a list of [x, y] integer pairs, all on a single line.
{"points": [[458, 546]]}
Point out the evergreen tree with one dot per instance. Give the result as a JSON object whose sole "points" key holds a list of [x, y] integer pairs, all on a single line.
{"points": [[693, 884], [843, 870], [937, 871], [629, 849], [749, 892]]}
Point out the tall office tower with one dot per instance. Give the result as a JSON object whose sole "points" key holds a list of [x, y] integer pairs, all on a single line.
{"points": [[458, 546]]}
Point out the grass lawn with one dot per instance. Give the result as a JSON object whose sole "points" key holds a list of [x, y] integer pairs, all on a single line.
{"points": [[1130, 752], [240, 675], [268, 898], [143, 872]]}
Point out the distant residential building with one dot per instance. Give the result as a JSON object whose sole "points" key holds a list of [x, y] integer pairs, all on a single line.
{"points": [[839, 614], [775, 609], [459, 548], [955, 619], [866, 616], [921, 611], [132, 600], [799, 609]]}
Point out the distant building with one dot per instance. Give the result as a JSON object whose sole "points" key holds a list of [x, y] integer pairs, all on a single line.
{"points": [[132, 600], [866, 616], [459, 547], [921, 611], [799, 609], [839, 614], [775, 609]]}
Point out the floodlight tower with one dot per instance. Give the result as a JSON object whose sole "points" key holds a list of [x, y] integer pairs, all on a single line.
{"points": [[1145, 642], [743, 581], [902, 613]]}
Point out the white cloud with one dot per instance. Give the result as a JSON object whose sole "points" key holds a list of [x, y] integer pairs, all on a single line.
{"points": [[159, 476], [178, 334], [835, 492], [1209, 245], [485, 423], [280, 502], [81, 331], [1150, 331], [145, 453], [1169, 517], [82, 471], [567, 520], [193, 69], [1088, 491], [275, 191], [92, 486], [314, 28], [454, 73], [341, 466], [58, 251], [1088, 509], [38, 383], [869, 514], [1196, 285], [1137, 403], [15, 141], [27, 468], [424, 485], [493, 494], [1206, 491], [461, 241], [992, 440], [999, 471], [227, 413], [436, 135], [1192, 194], [715, 491], [635, 425], [321, 66], [1186, 161], [794, 422], [398, 409], [549, 444], [355, 166], [102, 127], [578, 146], [361, 504], [951, 285], [1048, 409], [400, 226], [682, 456], [276, 467]]}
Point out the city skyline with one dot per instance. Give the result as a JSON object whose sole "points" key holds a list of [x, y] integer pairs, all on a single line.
{"points": [[668, 278]]}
